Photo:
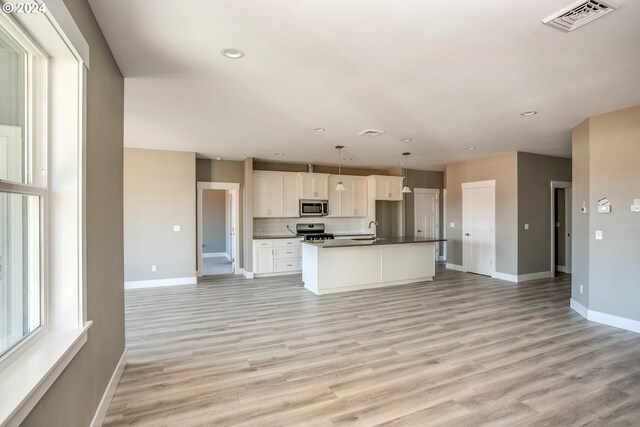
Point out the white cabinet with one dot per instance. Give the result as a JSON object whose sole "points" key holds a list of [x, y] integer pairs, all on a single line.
{"points": [[386, 187], [349, 203], [275, 194], [277, 256], [314, 186]]}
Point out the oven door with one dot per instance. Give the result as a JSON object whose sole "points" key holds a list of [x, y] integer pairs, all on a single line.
{"points": [[313, 207]]}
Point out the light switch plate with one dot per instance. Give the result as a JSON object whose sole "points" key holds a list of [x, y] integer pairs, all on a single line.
{"points": [[526, 226], [176, 228], [452, 225], [598, 234]]}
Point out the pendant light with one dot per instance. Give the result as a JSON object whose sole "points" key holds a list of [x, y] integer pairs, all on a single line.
{"points": [[340, 186], [406, 188]]}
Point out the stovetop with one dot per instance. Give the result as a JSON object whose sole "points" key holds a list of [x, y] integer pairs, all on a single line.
{"points": [[313, 231]]}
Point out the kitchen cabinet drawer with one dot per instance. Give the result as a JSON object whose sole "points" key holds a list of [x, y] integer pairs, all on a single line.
{"points": [[263, 243], [287, 243], [283, 253], [282, 265]]}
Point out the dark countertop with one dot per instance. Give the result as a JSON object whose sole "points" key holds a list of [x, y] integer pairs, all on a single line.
{"points": [[290, 236], [344, 243]]}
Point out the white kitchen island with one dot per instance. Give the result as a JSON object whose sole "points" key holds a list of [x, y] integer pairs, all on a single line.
{"points": [[346, 265]]}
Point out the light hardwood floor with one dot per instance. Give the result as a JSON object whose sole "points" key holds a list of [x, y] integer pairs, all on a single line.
{"points": [[462, 350]]}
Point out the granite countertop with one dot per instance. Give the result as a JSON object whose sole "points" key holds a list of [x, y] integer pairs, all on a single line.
{"points": [[343, 243]]}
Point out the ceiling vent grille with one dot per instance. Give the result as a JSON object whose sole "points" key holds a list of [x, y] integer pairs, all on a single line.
{"points": [[371, 132], [580, 13]]}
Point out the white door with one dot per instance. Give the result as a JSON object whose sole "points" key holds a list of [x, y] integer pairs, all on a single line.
{"points": [[478, 207], [426, 207], [567, 228]]}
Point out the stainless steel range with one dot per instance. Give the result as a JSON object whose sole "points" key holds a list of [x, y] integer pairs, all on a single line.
{"points": [[313, 232]]}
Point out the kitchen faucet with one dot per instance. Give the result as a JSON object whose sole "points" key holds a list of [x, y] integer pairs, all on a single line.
{"points": [[376, 229]]}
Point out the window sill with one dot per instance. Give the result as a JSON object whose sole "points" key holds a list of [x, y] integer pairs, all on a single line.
{"points": [[28, 377]]}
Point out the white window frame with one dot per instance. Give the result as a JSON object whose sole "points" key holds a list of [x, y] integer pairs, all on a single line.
{"points": [[30, 368]]}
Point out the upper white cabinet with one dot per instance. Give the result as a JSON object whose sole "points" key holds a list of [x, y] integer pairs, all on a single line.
{"points": [[349, 203], [275, 194], [386, 187], [314, 186]]}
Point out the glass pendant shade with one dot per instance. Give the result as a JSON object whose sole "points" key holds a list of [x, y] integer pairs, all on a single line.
{"points": [[406, 189], [340, 186]]}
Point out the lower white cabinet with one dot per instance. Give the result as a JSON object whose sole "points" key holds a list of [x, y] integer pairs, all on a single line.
{"points": [[274, 256]]}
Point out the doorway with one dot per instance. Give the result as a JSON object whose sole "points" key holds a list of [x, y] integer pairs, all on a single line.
{"points": [[217, 231], [478, 227], [426, 208], [561, 199]]}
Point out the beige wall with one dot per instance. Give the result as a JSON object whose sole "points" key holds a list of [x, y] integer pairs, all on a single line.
{"points": [[535, 173], [159, 192], [73, 398], [502, 168], [607, 148]]}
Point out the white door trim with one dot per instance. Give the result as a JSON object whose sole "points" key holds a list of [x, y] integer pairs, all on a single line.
{"points": [[234, 188], [473, 185], [554, 185], [435, 191]]}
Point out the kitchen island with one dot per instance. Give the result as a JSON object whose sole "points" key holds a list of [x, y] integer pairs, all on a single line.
{"points": [[330, 266]]}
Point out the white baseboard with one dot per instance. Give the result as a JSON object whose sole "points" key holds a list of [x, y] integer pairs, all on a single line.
{"points": [[455, 267], [579, 308], [442, 258], [535, 276], [604, 318], [522, 277], [561, 268], [505, 276], [103, 407], [140, 284], [247, 274], [215, 255]]}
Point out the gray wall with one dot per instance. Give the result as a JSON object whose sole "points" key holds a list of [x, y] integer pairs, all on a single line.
{"points": [[159, 192], [613, 153], [213, 221], [73, 399], [422, 179], [246, 243], [502, 168], [535, 173], [580, 222]]}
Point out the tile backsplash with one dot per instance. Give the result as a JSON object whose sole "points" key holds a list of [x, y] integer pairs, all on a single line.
{"points": [[278, 226]]}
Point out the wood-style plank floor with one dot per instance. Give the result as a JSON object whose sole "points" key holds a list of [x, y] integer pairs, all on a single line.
{"points": [[464, 350]]}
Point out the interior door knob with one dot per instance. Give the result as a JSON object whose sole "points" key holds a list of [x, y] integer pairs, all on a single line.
{"points": [[467, 234], [419, 231]]}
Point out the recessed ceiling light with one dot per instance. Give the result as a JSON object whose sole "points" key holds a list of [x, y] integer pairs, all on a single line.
{"points": [[529, 113], [218, 158], [232, 53], [319, 129], [406, 139], [470, 148], [279, 154]]}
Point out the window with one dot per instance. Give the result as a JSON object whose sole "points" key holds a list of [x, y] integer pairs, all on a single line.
{"points": [[20, 200], [43, 323]]}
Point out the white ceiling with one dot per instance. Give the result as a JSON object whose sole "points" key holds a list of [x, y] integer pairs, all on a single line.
{"points": [[449, 74]]}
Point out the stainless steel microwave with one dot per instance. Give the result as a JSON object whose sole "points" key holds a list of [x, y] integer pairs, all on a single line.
{"points": [[314, 207]]}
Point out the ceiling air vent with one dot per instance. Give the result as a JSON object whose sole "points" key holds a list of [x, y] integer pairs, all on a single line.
{"points": [[371, 132], [580, 13]]}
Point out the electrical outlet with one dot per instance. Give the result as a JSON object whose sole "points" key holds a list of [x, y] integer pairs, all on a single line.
{"points": [[598, 234], [581, 289], [452, 225], [176, 228], [153, 268]]}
